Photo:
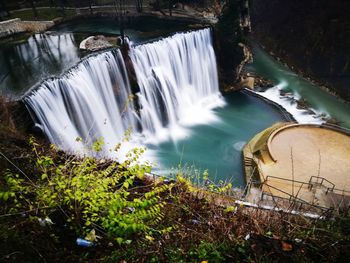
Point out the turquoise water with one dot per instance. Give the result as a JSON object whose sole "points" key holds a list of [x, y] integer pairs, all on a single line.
{"points": [[217, 146], [320, 100]]}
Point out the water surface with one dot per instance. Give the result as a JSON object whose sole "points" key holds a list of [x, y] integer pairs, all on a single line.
{"points": [[27, 60], [138, 29], [319, 100], [218, 146]]}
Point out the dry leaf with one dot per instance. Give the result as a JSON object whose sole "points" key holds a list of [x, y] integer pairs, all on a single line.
{"points": [[286, 246]]}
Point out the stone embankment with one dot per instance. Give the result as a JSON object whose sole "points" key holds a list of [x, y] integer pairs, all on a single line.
{"points": [[15, 26]]}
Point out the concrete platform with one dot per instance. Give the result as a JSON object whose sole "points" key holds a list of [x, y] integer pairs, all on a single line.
{"points": [[309, 163]]}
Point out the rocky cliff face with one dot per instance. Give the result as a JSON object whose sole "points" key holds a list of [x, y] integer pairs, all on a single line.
{"points": [[231, 31], [313, 36]]}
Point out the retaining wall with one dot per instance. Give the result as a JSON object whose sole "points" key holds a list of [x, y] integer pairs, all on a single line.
{"points": [[14, 26]]}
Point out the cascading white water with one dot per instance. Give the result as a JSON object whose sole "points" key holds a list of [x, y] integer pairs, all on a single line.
{"points": [[89, 102], [289, 103], [178, 83]]}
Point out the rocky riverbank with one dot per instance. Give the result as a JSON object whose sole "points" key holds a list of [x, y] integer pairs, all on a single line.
{"points": [[259, 85]]}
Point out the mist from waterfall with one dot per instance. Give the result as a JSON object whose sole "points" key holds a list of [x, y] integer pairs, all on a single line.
{"points": [[178, 83]]}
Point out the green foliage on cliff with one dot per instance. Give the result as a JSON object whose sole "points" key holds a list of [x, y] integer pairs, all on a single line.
{"points": [[60, 198], [90, 194]]}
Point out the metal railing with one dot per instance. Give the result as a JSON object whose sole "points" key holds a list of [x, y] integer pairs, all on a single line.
{"points": [[285, 179], [320, 181], [249, 183], [293, 199]]}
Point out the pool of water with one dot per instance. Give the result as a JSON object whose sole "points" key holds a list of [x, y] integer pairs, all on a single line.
{"points": [[217, 147], [26, 60], [138, 29], [319, 100]]}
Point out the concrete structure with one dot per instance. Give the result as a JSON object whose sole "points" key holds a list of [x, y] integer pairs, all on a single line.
{"points": [[14, 26], [304, 163]]}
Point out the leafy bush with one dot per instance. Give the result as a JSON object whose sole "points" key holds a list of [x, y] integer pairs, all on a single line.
{"points": [[91, 194]]}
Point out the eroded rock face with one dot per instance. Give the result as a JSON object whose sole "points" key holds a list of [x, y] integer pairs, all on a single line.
{"points": [[311, 36]]}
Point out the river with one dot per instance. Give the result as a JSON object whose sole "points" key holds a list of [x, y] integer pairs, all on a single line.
{"points": [[320, 101]]}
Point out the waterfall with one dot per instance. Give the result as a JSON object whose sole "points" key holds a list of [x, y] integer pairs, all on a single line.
{"points": [[88, 103], [178, 83]]}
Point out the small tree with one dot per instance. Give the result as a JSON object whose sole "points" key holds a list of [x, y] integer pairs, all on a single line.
{"points": [[90, 7], [35, 12], [90, 194], [3, 7], [139, 5], [62, 3], [170, 6]]}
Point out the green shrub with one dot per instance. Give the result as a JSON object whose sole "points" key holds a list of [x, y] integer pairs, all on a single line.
{"points": [[92, 194]]}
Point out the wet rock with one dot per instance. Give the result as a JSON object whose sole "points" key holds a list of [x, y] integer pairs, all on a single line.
{"points": [[287, 28], [247, 82], [302, 104], [285, 93], [333, 121], [261, 84]]}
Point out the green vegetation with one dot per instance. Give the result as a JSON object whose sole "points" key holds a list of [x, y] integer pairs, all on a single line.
{"points": [[44, 14], [56, 198], [91, 194], [130, 216]]}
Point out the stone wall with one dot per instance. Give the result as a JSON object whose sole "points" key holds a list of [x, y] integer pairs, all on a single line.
{"points": [[10, 27], [14, 26]]}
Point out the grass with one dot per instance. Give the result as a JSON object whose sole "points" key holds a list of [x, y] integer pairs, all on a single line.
{"points": [[201, 231], [44, 14]]}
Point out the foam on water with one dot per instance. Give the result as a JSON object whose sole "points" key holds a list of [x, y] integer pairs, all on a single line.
{"points": [[288, 102]]}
